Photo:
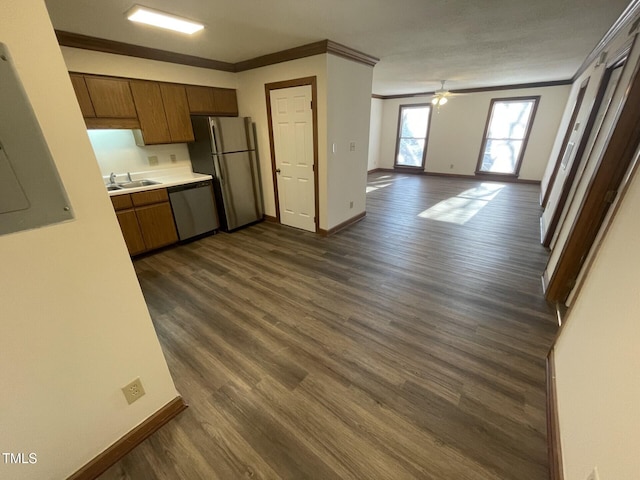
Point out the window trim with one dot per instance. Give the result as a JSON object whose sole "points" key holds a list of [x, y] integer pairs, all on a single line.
{"points": [[426, 138], [525, 140]]}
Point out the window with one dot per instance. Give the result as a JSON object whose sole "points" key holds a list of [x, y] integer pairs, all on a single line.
{"points": [[413, 129], [506, 134]]}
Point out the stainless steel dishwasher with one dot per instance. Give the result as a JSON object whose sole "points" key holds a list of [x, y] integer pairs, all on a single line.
{"points": [[194, 209]]}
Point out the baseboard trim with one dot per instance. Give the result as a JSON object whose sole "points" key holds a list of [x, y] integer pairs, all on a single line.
{"points": [[270, 219], [554, 447], [483, 177], [343, 225], [130, 441]]}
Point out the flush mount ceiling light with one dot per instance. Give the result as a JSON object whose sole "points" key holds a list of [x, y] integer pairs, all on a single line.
{"points": [[163, 20]]}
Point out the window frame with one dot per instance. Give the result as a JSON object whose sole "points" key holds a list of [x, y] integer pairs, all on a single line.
{"points": [[525, 139], [399, 131]]}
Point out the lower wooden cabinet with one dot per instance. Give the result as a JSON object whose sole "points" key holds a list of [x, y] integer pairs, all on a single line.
{"points": [[156, 225], [146, 220], [131, 231]]}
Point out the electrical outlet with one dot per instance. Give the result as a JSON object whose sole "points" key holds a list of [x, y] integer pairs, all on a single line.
{"points": [[594, 474], [451, 166], [173, 158], [133, 391], [350, 204], [153, 160], [352, 147]]}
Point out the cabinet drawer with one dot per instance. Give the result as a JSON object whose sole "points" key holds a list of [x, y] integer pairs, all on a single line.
{"points": [[121, 202], [151, 196]]}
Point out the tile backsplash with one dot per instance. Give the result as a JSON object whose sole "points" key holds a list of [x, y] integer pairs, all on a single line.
{"points": [[116, 151]]}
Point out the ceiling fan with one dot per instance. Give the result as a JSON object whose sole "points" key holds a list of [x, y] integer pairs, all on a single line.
{"points": [[441, 96]]}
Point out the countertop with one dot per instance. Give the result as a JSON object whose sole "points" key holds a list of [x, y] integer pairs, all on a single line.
{"points": [[167, 177]]}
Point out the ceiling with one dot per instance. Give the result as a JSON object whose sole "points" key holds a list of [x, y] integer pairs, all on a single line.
{"points": [[482, 43]]}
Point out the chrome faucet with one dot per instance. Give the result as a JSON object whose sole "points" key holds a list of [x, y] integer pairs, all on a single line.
{"points": [[129, 176], [112, 179]]}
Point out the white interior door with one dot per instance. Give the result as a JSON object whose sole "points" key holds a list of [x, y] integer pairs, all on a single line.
{"points": [[292, 123]]}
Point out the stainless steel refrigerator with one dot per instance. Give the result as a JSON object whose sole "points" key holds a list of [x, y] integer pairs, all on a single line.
{"points": [[225, 148]]}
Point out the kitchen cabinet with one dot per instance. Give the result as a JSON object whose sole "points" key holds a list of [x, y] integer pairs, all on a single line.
{"points": [[128, 221], [176, 108], [111, 97], [163, 112], [160, 111], [148, 102], [156, 225], [105, 102], [200, 99], [82, 94], [226, 102], [212, 101], [146, 220]]}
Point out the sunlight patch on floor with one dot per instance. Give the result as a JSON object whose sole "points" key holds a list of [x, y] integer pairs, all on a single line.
{"points": [[463, 207], [371, 188], [380, 182]]}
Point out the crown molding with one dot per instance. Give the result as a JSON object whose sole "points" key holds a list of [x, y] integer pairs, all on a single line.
{"points": [[75, 40], [86, 42], [295, 53], [553, 83]]}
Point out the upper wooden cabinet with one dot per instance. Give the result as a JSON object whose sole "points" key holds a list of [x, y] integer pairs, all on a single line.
{"points": [[82, 93], [226, 102], [151, 112], [160, 111], [212, 101], [111, 97], [200, 99], [176, 109], [163, 112]]}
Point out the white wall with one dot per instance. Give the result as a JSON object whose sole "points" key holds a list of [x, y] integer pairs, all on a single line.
{"points": [[348, 119], [598, 360], [456, 131], [252, 103], [116, 151], [375, 132], [75, 327]]}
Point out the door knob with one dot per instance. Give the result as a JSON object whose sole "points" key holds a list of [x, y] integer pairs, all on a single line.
{"points": [[277, 170]]}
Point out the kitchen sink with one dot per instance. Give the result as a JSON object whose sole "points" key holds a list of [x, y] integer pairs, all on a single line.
{"points": [[138, 183], [111, 188]]}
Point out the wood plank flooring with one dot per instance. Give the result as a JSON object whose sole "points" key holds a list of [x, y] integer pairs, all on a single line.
{"points": [[401, 348]]}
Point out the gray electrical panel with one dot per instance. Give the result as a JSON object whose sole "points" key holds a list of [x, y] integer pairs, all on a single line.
{"points": [[31, 193]]}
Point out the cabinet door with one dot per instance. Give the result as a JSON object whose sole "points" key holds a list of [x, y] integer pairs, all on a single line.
{"points": [[226, 101], [201, 100], [176, 109], [148, 101], [111, 97], [82, 94], [157, 226], [131, 231]]}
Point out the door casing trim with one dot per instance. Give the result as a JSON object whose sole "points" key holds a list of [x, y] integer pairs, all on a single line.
{"points": [[297, 82]]}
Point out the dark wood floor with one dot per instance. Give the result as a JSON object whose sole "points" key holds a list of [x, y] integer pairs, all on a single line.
{"points": [[402, 347]]}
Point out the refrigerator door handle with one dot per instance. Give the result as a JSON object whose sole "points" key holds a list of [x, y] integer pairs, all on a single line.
{"points": [[218, 169], [216, 148]]}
